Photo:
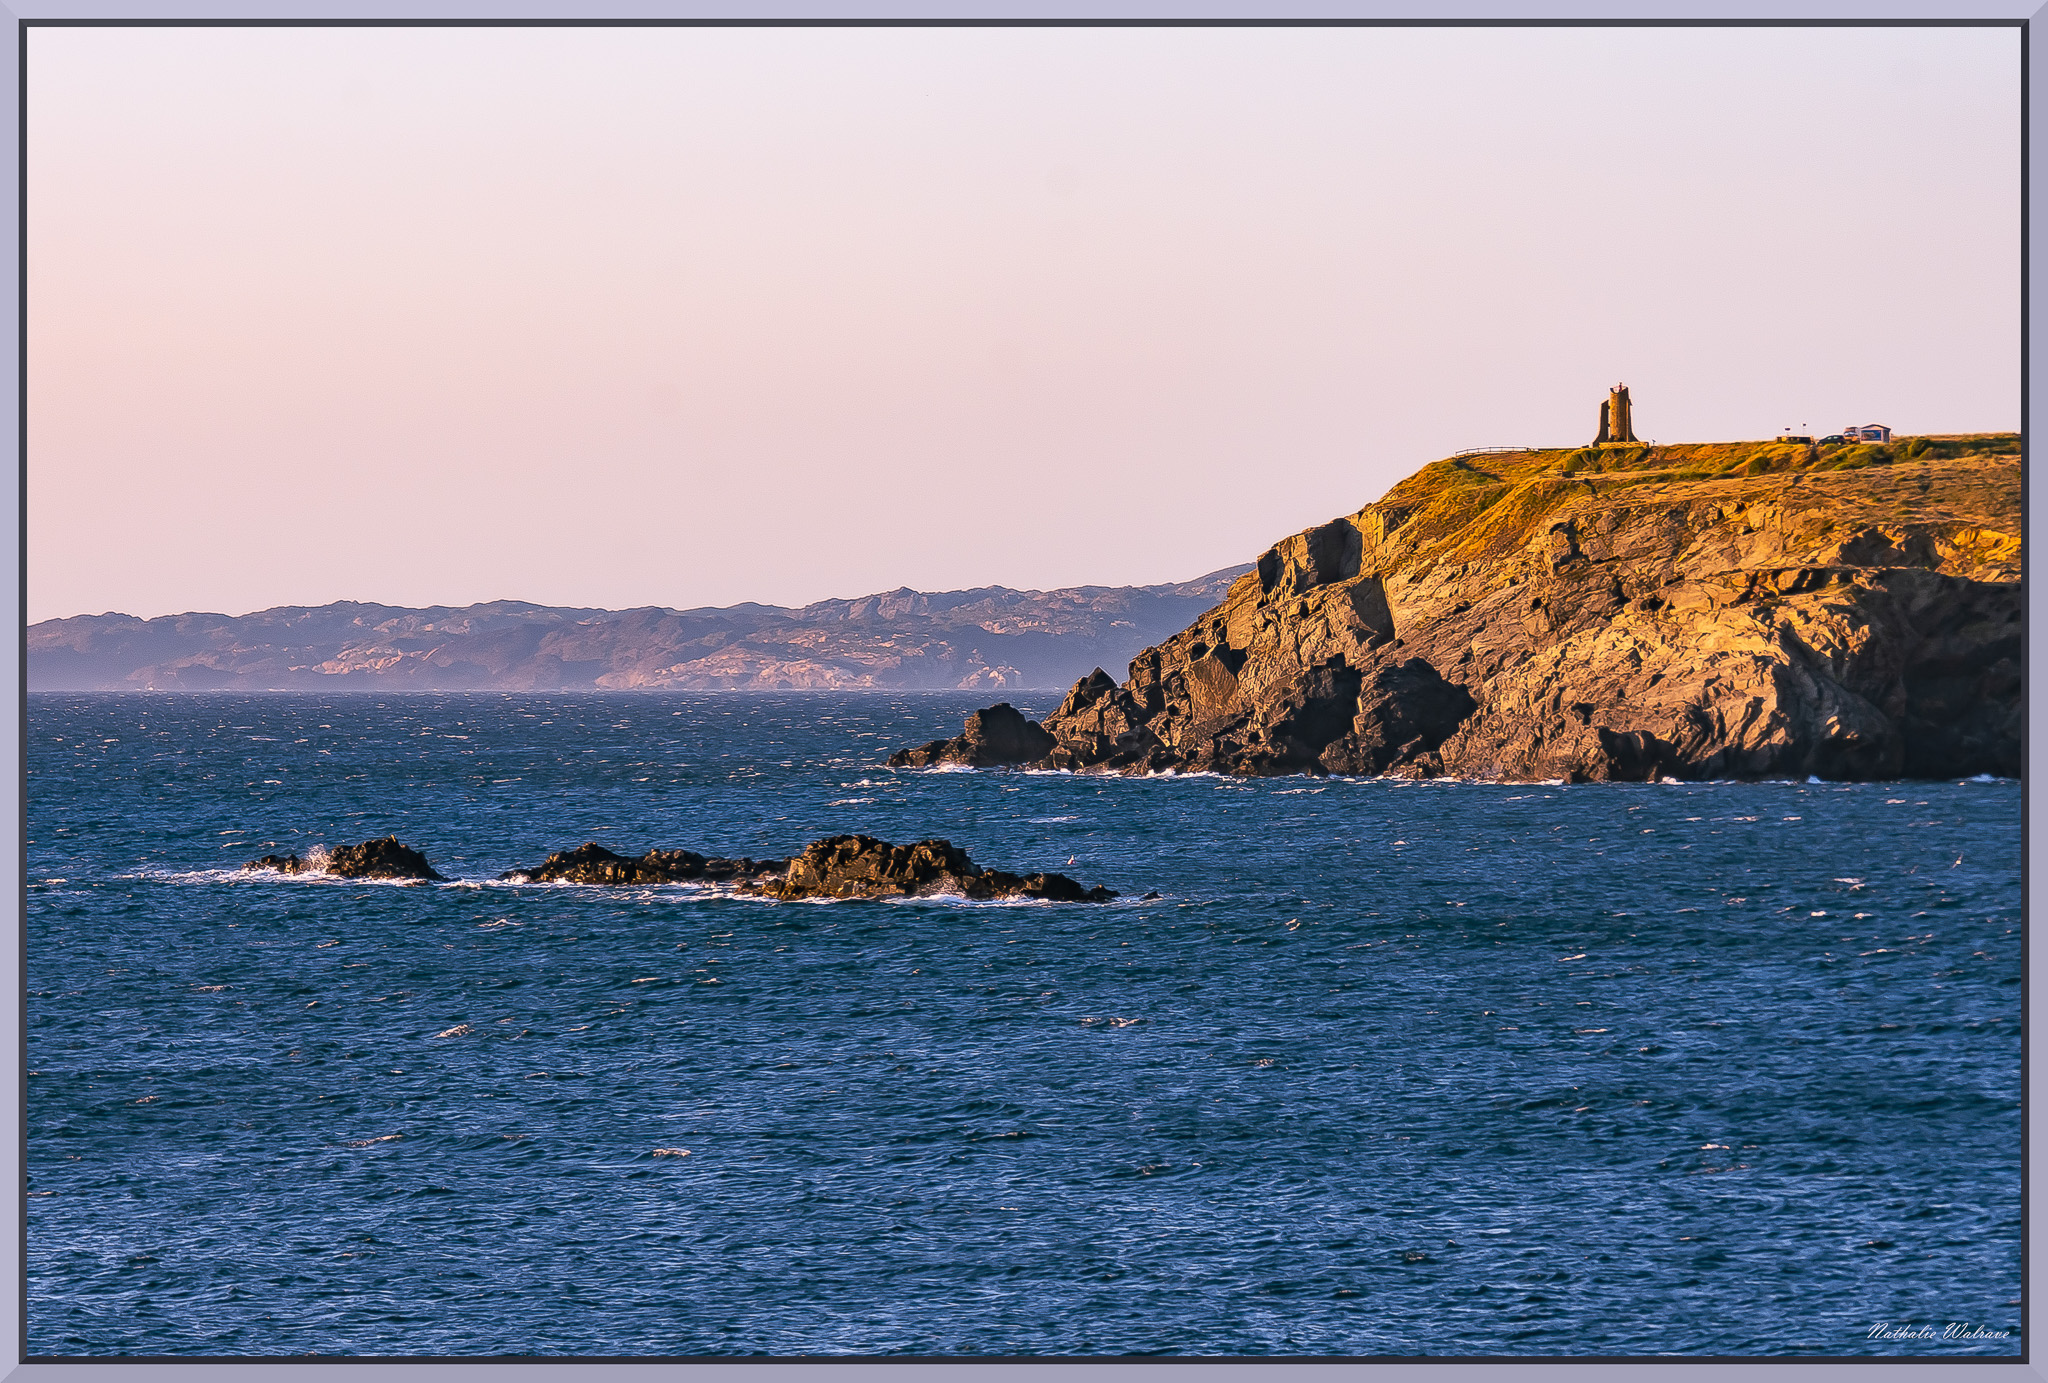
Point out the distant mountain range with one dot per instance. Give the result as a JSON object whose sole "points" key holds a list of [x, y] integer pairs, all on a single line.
{"points": [[990, 638]]}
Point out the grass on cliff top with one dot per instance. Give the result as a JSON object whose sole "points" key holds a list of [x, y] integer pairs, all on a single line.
{"points": [[1490, 505]]}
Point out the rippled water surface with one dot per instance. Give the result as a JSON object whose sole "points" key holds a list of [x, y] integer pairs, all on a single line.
{"points": [[1388, 1068]]}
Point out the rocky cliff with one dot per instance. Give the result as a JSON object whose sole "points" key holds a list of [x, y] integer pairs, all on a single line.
{"points": [[1730, 610], [991, 637]]}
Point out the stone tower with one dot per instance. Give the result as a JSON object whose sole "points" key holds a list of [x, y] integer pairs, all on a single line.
{"points": [[1616, 423]]}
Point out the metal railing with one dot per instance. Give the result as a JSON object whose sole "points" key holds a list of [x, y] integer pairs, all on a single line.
{"points": [[1491, 451]]}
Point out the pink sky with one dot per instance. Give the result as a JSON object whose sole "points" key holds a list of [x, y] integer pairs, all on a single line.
{"points": [[698, 316]]}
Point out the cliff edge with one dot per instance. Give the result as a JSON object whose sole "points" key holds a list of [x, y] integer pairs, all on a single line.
{"points": [[1727, 610]]}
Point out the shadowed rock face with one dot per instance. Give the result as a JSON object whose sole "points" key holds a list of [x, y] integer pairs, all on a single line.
{"points": [[1622, 612], [864, 867], [591, 863], [373, 859], [1405, 710]]}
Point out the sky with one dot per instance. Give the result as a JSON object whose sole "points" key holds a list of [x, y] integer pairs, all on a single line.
{"points": [[696, 316]]}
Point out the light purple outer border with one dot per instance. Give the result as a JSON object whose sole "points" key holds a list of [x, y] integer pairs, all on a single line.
{"points": [[887, 1371]]}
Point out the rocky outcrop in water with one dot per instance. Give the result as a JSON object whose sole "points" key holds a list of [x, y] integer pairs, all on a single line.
{"points": [[864, 867], [998, 735], [1615, 612], [373, 859], [838, 867], [591, 863]]}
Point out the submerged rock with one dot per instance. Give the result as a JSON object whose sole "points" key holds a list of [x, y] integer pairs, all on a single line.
{"points": [[591, 863], [373, 859], [1623, 612], [864, 867]]}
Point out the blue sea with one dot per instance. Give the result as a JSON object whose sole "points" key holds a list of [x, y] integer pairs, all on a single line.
{"points": [[1388, 1068]]}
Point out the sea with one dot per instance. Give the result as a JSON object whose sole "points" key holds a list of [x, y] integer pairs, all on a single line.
{"points": [[1385, 1068]]}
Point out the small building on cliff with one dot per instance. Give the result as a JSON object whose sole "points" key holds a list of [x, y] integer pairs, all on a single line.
{"points": [[1869, 432]]}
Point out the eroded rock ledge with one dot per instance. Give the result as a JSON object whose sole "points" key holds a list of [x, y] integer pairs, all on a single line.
{"points": [[1615, 612]]}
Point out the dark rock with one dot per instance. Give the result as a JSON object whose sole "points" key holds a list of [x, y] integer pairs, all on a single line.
{"points": [[997, 736], [373, 859], [591, 863], [1303, 716], [864, 867], [283, 864], [1054, 888], [1099, 723], [1308, 560]]}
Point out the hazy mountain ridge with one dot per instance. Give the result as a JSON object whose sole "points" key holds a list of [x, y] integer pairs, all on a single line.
{"points": [[986, 637]]}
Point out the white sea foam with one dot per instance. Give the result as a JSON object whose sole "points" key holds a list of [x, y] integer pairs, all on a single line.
{"points": [[271, 877]]}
